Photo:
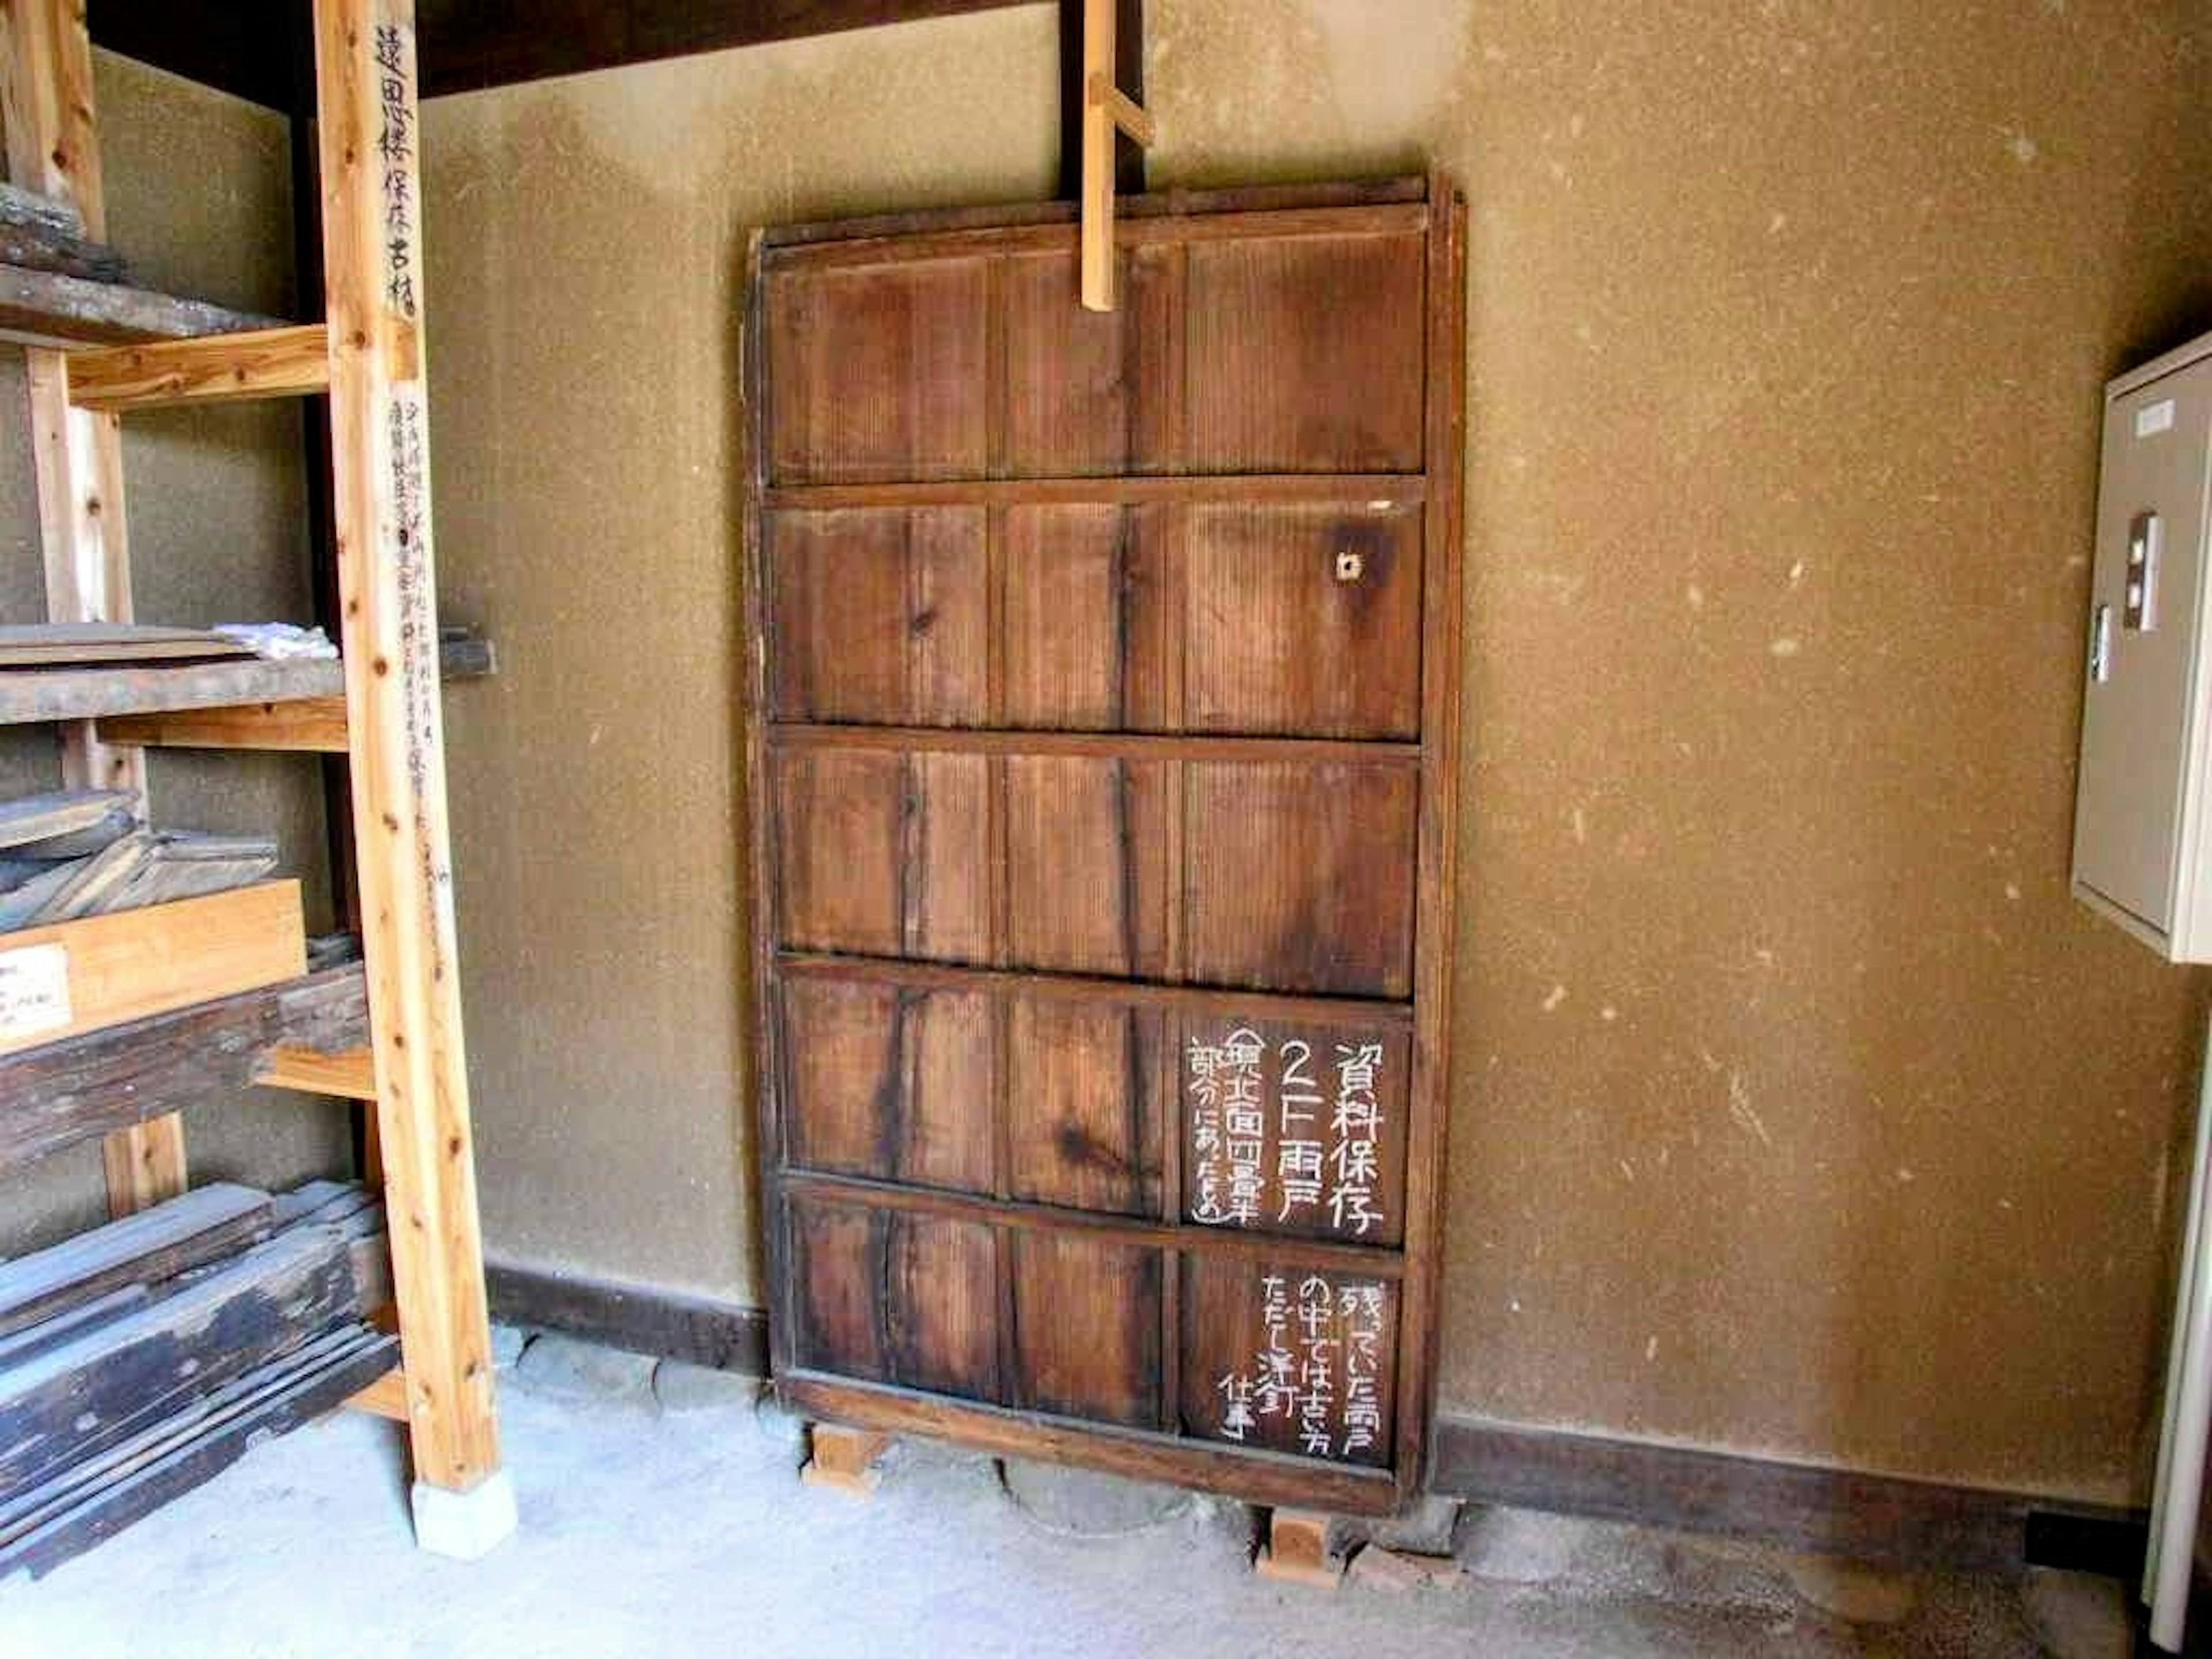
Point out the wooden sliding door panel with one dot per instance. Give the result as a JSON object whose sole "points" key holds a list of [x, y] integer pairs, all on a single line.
{"points": [[890, 1082], [1087, 1329], [880, 617], [1088, 593], [1089, 392], [1295, 1127], [1289, 1358], [1303, 621], [896, 1299], [877, 372], [1305, 353], [1103, 721], [1086, 879], [1301, 876], [882, 853], [1085, 1120]]}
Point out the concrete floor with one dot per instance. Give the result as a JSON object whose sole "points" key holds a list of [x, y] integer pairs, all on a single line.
{"points": [[674, 1525]]}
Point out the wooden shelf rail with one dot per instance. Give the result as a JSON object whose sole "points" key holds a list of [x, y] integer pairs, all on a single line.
{"points": [[271, 362]]}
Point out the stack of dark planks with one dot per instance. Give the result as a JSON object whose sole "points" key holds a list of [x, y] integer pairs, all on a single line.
{"points": [[140, 1359], [84, 853]]}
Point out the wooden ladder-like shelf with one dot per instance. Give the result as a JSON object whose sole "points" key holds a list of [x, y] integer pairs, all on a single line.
{"points": [[381, 708]]}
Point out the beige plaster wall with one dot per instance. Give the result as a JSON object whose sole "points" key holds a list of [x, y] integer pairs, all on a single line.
{"points": [[199, 203], [1799, 1111]]}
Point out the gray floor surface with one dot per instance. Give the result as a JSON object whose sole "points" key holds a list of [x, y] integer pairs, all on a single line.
{"points": [[673, 1529]]}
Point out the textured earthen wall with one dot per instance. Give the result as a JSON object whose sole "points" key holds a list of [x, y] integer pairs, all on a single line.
{"points": [[1799, 1111]]}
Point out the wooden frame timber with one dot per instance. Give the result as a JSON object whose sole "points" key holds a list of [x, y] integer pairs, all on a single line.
{"points": [[982, 513], [53, 148], [365, 62], [405, 1050]]}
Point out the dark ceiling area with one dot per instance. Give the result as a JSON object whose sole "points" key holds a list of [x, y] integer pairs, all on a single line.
{"points": [[257, 49]]}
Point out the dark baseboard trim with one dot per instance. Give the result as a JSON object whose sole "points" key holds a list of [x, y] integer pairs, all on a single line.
{"points": [[725, 1335], [1871, 1517]]}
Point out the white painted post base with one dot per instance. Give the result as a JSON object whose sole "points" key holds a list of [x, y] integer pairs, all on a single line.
{"points": [[464, 1525]]}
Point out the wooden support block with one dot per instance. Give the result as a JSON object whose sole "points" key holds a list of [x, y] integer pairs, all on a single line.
{"points": [[79, 976], [386, 1397], [316, 726], [347, 1075], [270, 363], [1299, 1550], [844, 1459]]}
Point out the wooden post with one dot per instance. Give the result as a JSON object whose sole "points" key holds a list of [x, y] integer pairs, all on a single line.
{"points": [[53, 147], [373, 269]]}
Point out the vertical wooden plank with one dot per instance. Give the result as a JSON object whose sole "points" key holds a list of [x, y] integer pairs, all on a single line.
{"points": [[1098, 254], [53, 147], [1435, 944], [371, 256], [1128, 75]]}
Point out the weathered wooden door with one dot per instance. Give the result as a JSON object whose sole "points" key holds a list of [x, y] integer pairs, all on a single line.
{"points": [[1103, 740]]}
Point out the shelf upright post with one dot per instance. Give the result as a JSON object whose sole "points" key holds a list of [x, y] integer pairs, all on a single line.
{"points": [[53, 147]]}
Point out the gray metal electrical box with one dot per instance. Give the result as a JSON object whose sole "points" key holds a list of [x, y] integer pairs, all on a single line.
{"points": [[2142, 820]]}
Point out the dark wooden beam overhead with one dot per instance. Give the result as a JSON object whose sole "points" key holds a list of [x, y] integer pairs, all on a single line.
{"points": [[467, 45], [1129, 76], [244, 47], [247, 47]]}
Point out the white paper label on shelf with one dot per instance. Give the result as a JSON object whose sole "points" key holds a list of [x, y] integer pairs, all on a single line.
{"points": [[2155, 418], [33, 990]]}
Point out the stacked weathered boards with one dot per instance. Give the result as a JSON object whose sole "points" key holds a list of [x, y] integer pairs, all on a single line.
{"points": [[142, 1359], [82, 852]]}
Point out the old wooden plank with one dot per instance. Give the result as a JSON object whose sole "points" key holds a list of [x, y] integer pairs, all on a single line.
{"points": [[1352, 1012], [30, 696], [285, 361], [1052, 1219], [291, 1395], [1091, 746], [1256, 1477], [68, 1326], [125, 966], [1165, 203], [1272, 224], [61, 311], [1377, 492], [55, 1094], [38, 233], [154, 1244], [125, 1376], [77, 644], [43, 826]]}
